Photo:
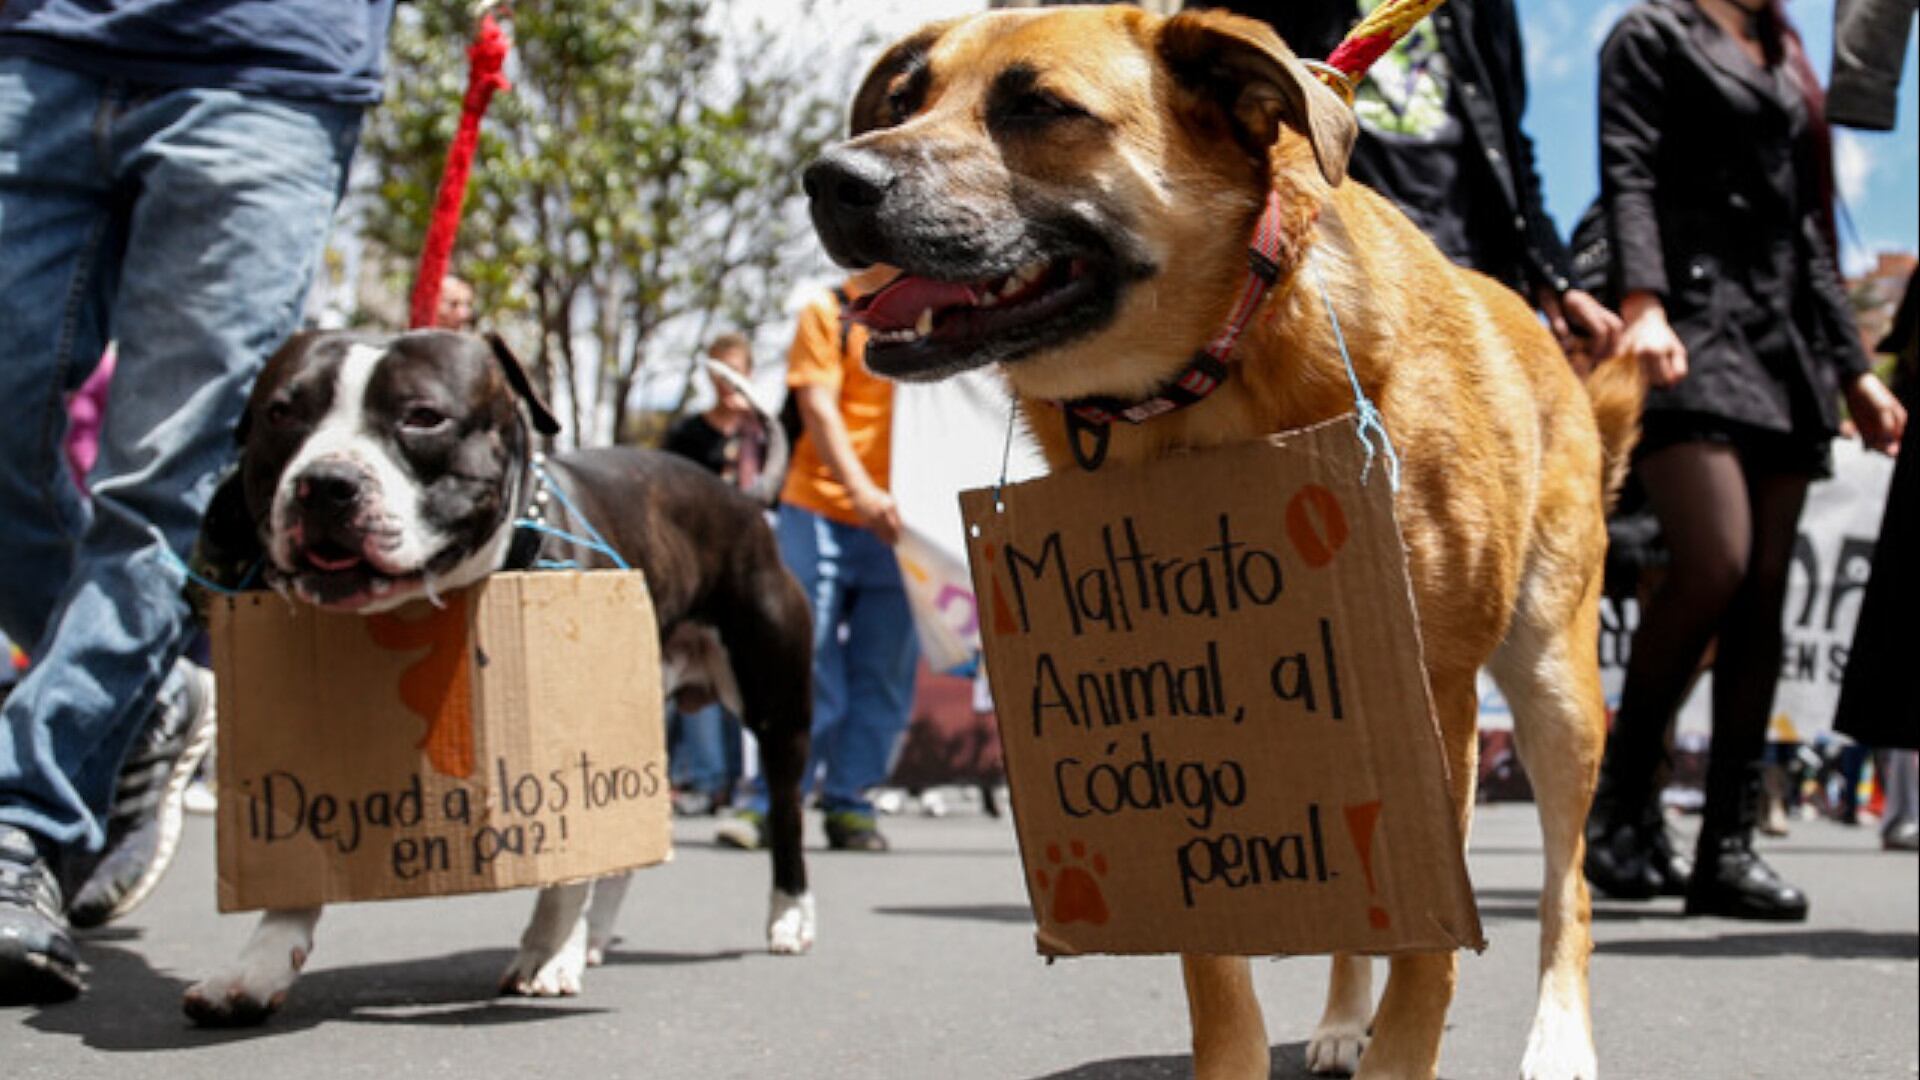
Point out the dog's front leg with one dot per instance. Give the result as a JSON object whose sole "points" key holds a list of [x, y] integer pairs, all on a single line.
{"points": [[255, 985], [553, 949], [608, 894], [1341, 1036], [1229, 1037]]}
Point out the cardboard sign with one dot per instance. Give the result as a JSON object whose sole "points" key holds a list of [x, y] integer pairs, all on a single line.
{"points": [[1215, 717], [511, 737]]}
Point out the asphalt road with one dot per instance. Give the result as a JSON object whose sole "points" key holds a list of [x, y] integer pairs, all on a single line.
{"points": [[925, 968]]}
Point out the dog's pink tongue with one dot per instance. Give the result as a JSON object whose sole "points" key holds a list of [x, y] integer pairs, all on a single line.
{"points": [[898, 304], [328, 565]]}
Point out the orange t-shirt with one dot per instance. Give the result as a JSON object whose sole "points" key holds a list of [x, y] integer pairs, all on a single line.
{"points": [[866, 408]]}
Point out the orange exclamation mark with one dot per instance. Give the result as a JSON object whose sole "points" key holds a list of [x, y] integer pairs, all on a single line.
{"points": [[1360, 821], [1002, 614]]}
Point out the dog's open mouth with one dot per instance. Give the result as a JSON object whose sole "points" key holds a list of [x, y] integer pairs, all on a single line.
{"points": [[332, 575], [331, 558], [923, 327]]}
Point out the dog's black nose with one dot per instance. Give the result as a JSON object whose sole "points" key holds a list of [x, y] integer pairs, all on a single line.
{"points": [[849, 179], [846, 188], [328, 486]]}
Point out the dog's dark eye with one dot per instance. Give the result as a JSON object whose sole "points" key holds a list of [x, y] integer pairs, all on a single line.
{"points": [[904, 97], [279, 413], [424, 418], [1036, 106]]}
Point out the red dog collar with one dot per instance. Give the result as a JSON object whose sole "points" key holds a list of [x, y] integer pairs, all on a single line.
{"points": [[1089, 419], [1208, 368]]}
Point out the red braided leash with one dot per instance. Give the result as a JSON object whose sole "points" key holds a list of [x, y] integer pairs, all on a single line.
{"points": [[485, 59]]}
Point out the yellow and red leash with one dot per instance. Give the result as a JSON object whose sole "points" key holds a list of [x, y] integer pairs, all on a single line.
{"points": [[1368, 41]]}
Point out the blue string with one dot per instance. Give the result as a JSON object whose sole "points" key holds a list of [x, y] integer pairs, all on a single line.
{"points": [[568, 564], [211, 586], [598, 543], [1369, 419], [1006, 451]]}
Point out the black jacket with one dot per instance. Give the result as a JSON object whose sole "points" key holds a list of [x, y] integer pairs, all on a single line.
{"points": [[1869, 47], [1482, 40], [1710, 188]]}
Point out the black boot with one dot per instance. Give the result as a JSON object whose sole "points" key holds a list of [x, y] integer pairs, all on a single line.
{"points": [[1729, 878], [1672, 870], [1732, 881], [1629, 854]]}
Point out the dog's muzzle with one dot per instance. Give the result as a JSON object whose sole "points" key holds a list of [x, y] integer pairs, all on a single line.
{"points": [[847, 187]]}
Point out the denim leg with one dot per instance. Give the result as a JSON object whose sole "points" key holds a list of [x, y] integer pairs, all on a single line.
{"points": [[698, 758], [58, 260], [879, 657], [809, 548], [230, 201]]}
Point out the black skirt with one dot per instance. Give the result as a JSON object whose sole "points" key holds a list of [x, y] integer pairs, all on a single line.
{"points": [[1761, 450]]}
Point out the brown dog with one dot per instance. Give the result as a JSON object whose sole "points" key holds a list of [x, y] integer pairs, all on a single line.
{"points": [[1071, 194]]}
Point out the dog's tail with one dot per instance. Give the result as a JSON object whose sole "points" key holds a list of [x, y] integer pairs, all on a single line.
{"points": [[1617, 387]]}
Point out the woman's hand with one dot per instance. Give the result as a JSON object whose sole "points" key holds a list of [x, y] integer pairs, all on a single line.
{"points": [[1650, 341], [1588, 333], [1878, 414]]}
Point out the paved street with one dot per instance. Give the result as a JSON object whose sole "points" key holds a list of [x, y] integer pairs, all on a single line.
{"points": [[925, 968]]}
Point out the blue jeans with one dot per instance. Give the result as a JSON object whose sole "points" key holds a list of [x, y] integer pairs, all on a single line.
{"points": [[703, 749], [864, 652], [186, 225]]}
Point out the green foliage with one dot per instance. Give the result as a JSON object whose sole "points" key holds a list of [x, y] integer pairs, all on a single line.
{"points": [[636, 190]]}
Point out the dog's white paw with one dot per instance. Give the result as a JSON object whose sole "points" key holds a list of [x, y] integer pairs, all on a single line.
{"points": [[790, 923], [537, 973], [597, 949], [1335, 1049], [246, 993], [1559, 1048]]}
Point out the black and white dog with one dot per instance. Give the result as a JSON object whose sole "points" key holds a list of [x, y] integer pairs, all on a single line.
{"points": [[378, 469]]}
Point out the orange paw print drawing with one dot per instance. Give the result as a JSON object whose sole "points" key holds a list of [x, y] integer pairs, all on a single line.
{"points": [[1074, 883]]}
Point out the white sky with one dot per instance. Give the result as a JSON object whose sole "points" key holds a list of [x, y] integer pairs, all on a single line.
{"points": [[891, 20]]}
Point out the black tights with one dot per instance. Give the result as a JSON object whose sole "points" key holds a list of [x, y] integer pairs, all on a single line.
{"points": [[1731, 532]]}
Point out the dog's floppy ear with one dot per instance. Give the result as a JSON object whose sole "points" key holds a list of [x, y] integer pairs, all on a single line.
{"points": [[1251, 73], [543, 421], [894, 73], [289, 352]]}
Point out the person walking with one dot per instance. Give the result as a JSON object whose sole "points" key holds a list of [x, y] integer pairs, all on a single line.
{"points": [[168, 172], [1716, 183], [1869, 48], [837, 527], [1879, 697], [728, 437], [729, 440], [1440, 135]]}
